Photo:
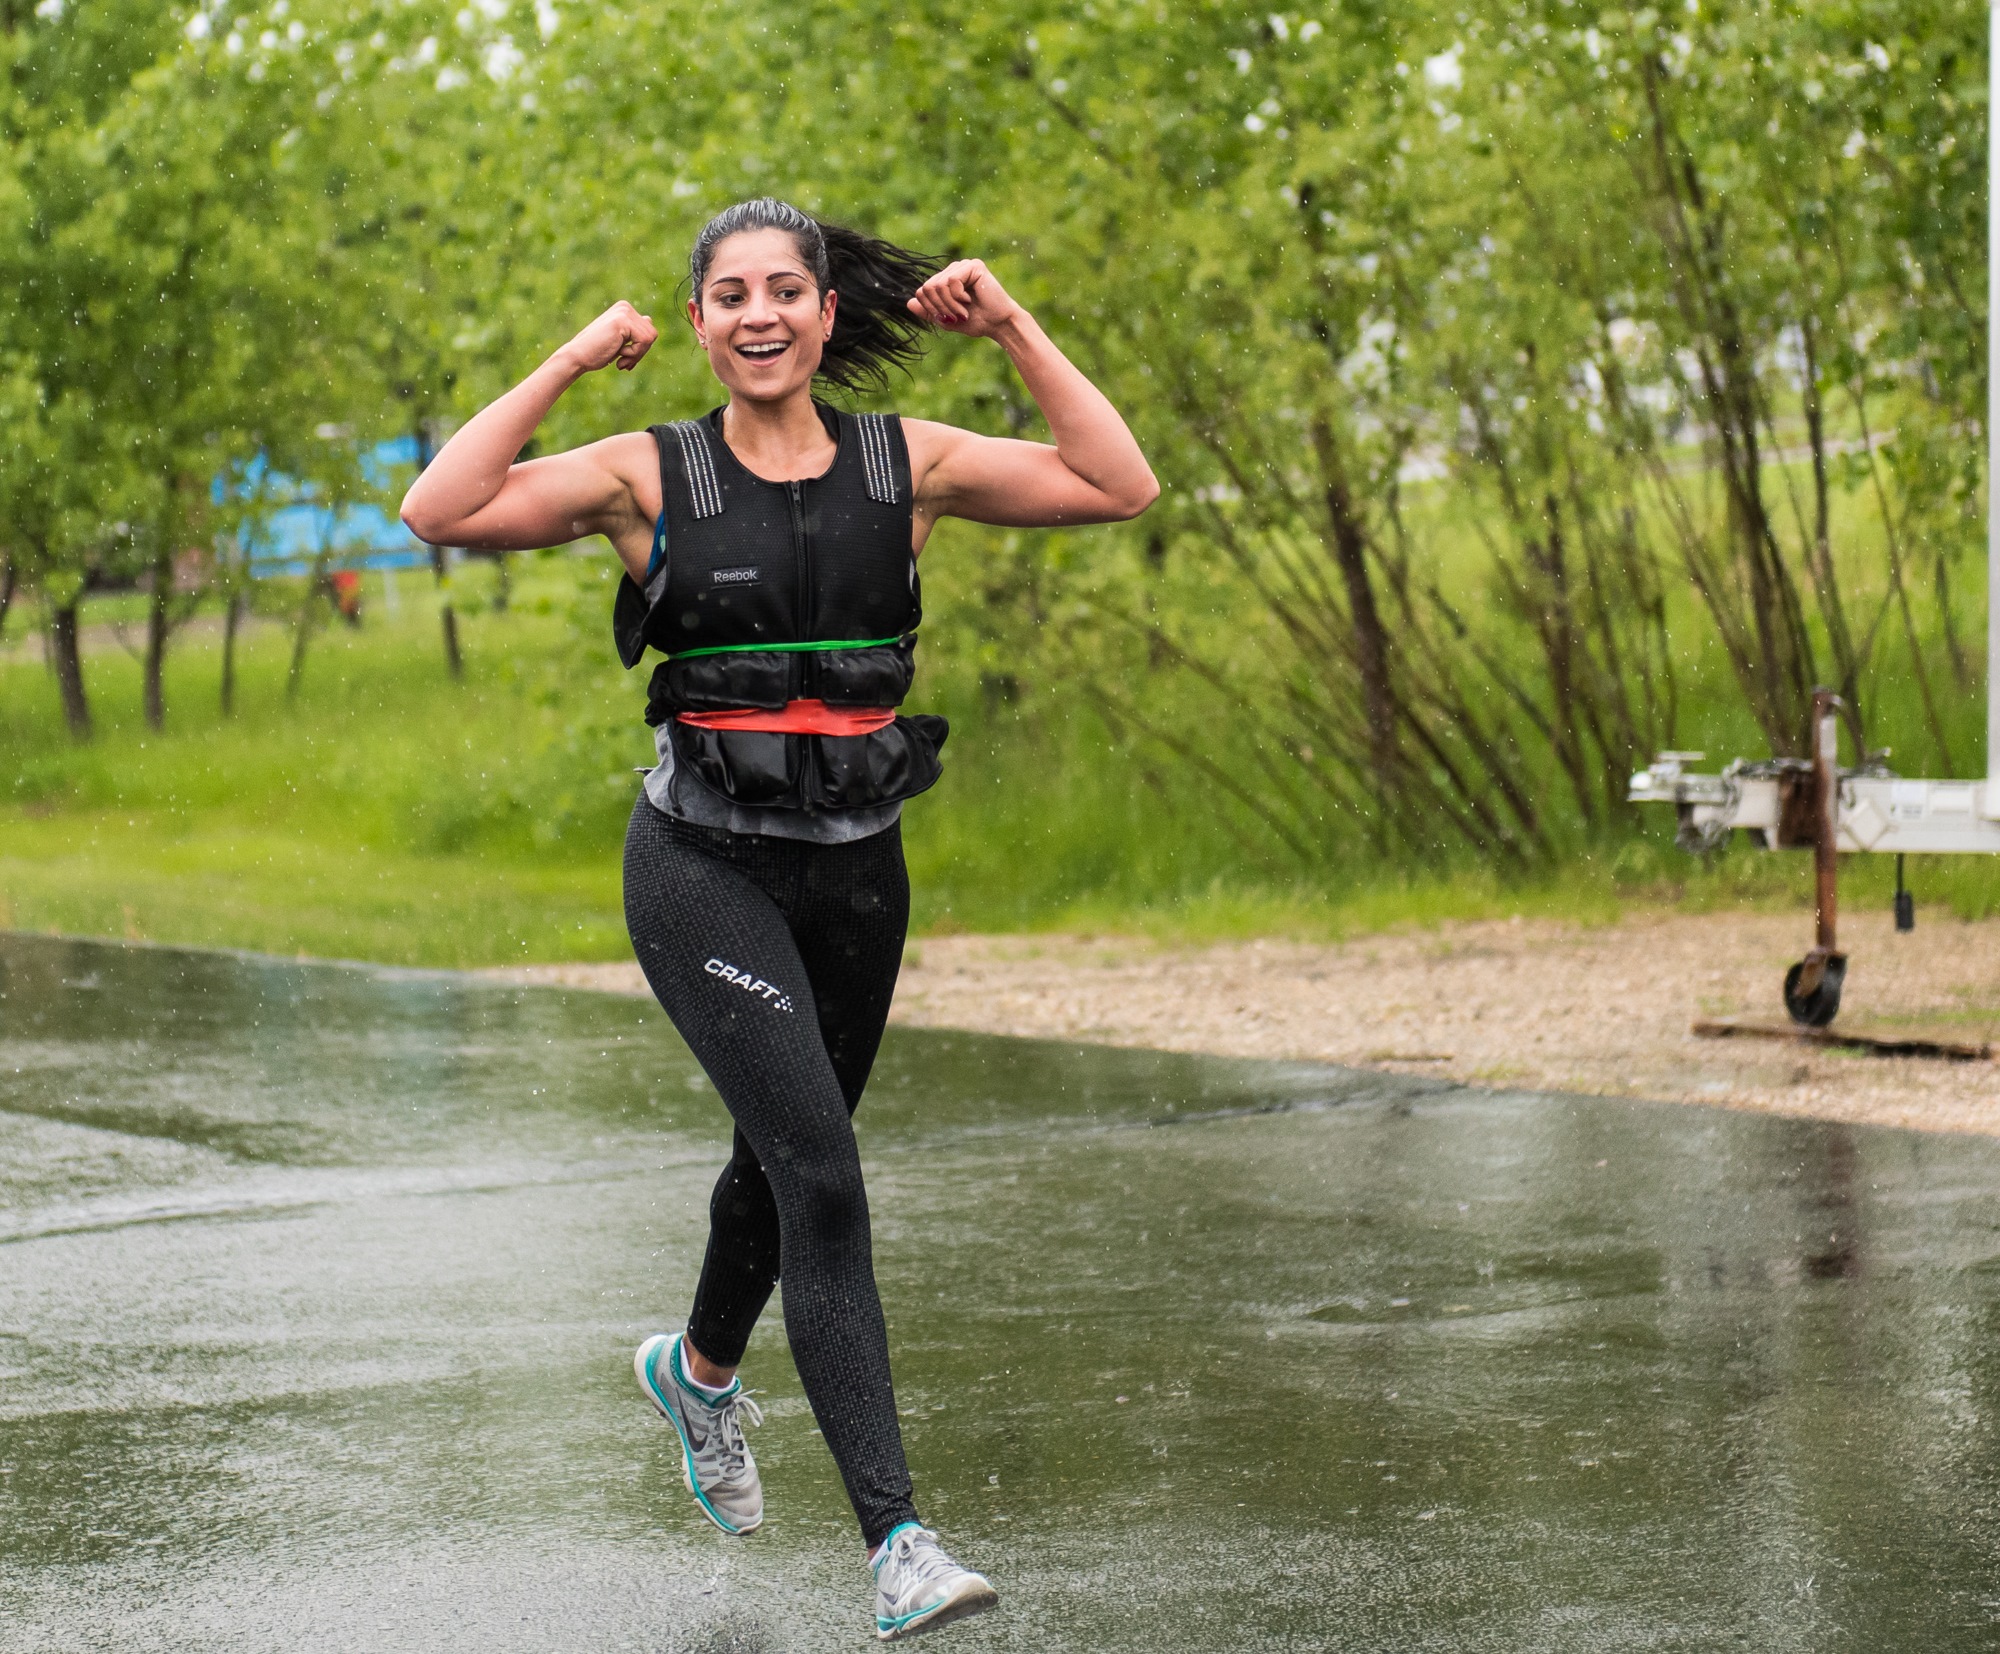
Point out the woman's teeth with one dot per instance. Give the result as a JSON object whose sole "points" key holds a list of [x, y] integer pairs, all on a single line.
{"points": [[761, 350]]}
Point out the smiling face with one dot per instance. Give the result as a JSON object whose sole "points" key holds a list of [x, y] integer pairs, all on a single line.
{"points": [[761, 316]]}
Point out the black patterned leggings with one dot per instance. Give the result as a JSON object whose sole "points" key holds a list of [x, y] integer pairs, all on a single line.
{"points": [[776, 960]]}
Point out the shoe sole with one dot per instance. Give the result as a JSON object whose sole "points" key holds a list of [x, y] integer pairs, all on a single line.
{"points": [[642, 1368], [975, 1600]]}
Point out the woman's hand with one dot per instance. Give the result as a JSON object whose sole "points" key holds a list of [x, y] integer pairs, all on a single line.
{"points": [[620, 335], [965, 297]]}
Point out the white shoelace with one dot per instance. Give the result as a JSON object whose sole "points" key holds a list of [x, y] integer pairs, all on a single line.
{"points": [[919, 1558], [731, 1451]]}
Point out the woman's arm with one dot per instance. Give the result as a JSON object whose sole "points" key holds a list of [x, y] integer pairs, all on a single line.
{"points": [[474, 494], [1094, 473]]}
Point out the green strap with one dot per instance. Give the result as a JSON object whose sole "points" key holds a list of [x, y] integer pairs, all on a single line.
{"points": [[785, 648]]}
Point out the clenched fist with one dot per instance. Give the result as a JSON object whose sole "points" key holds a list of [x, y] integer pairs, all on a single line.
{"points": [[620, 335], [965, 297]]}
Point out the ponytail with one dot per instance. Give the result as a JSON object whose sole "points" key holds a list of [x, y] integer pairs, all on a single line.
{"points": [[873, 328]]}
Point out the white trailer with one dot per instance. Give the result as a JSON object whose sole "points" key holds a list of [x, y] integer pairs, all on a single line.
{"points": [[1788, 803]]}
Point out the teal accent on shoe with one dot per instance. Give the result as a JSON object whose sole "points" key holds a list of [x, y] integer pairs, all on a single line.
{"points": [[687, 1447], [688, 1384], [897, 1624], [889, 1539]]}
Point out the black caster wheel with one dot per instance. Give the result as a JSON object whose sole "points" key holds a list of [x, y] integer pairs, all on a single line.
{"points": [[1822, 1005]]}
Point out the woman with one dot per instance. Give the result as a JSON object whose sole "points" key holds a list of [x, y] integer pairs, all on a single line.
{"points": [[770, 551]]}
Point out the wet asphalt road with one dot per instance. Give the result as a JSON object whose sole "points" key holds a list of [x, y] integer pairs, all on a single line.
{"points": [[318, 1289]]}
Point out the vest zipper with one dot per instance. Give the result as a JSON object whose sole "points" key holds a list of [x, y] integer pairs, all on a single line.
{"points": [[811, 792], [802, 558]]}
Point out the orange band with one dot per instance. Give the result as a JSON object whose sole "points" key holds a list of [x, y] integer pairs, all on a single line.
{"points": [[798, 718]]}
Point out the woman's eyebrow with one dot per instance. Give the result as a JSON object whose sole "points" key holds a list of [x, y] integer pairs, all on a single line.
{"points": [[775, 275]]}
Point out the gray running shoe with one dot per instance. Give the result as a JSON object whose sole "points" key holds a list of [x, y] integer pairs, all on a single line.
{"points": [[715, 1459], [919, 1588]]}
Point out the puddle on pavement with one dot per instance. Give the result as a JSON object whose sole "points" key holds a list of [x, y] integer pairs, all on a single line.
{"points": [[318, 1289]]}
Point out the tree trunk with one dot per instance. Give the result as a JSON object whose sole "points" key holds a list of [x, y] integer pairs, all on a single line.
{"points": [[302, 629], [1819, 560], [1371, 638], [503, 582], [231, 619], [67, 659], [453, 658], [447, 614], [9, 578], [156, 641]]}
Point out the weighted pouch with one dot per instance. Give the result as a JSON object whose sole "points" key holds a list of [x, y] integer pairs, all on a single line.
{"points": [[750, 766], [899, 760], [880, 676], [760, 678]]}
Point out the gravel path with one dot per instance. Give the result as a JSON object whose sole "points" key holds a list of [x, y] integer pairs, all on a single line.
{"points": [[1533, 1005]]}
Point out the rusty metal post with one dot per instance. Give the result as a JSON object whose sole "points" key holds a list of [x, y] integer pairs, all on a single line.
{"points": [[1826, 813], [1812, 986]]}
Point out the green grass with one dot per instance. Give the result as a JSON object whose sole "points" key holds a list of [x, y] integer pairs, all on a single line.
{"points": [[156, 878], [387, 814], [392, 814]]}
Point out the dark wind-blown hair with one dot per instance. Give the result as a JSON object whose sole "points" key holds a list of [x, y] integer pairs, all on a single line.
{"points": [[873, 330]]}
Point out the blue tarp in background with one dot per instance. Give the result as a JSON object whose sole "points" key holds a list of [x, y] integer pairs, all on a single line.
{"points": [[296, 528]]}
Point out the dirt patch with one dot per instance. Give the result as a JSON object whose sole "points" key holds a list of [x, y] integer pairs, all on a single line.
{"points": [[1551, 1007]]}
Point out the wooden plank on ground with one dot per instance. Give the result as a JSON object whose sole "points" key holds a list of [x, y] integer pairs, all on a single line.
{"points": [[1881, 1045]]}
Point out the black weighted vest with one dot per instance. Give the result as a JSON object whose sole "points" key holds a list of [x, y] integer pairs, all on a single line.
{"points": [[764, 593]]}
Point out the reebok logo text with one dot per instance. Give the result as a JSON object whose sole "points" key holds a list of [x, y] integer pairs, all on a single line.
{"points": [[769, 993], [733, 577]]}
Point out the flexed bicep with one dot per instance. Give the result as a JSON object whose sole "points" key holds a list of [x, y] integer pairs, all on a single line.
{"points": [[548, 501], [1005, 481], [1092, 473]]}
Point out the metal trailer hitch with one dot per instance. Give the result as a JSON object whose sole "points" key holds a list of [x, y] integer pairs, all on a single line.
{"points": [[1798, 803]]}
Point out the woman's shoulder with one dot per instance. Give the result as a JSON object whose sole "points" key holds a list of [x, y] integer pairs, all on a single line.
{"points": [[633, 458], [633, 454], [928, 437], [930, 441], [624, 446]]}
